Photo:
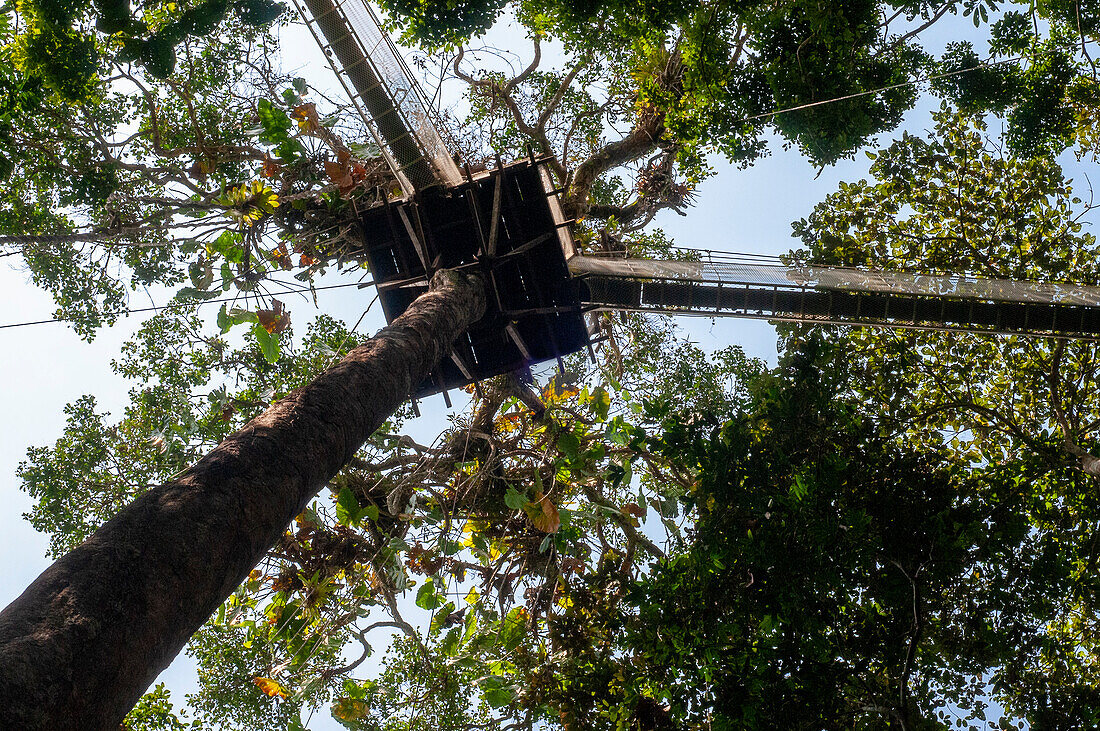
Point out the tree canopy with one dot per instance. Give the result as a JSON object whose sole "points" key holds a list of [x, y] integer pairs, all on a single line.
{"points": [[888, 530], [125, 167]]}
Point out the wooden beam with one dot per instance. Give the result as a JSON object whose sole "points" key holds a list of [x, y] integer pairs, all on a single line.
{"points": [[494, 221], [513, 333], [418, 243]]}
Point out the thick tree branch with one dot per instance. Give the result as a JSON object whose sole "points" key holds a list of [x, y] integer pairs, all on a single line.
{"points": [[623, 214], [904, 710], [531, 67], [563, 87], [503, 95], [1089, 464], [641, 141], [621, 520]]}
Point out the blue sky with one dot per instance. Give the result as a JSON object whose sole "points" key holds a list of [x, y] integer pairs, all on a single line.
{"points": [[43, 367]]}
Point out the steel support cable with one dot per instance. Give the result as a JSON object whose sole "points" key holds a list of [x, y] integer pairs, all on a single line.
{"points": [[931, 77], [183, 305]]}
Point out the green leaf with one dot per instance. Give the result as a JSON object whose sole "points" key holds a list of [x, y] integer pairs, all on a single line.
{"points": [[497, 691], [498, 697], [513, 628], [224, 321], [798, 489], [450, 641], [201, 274], [227, 318], [288, 149], [269, 342], [441, 616], [514, 499], [469, 625], [347, 507], [228, 244], [426, 596], [616, 474], [288, 622], [275, 122], [600, 403], [569, 444], [618, 431], [259, 12], [190, 293]]}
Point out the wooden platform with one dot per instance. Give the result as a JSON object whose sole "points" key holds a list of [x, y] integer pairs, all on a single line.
{"points": [[506, 222]]}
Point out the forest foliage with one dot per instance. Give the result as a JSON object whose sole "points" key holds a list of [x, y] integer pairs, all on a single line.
{"points": [[888, 530]]}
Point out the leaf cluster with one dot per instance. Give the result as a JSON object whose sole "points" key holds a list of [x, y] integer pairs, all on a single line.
{"points": [[67, 45]]}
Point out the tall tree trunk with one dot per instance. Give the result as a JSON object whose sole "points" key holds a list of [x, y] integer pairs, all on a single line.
{"points": [[84, 641]]}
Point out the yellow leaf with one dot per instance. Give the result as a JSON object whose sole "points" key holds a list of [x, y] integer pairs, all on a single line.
{"points": [[270, 687], [472, 595], [350, 709], [546, 519], [471, 529], [306, 114], [509, 422], [556, 393], [274, 320]]}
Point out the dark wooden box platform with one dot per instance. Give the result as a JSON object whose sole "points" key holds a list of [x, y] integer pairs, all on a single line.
{"points": [[534, 311]]}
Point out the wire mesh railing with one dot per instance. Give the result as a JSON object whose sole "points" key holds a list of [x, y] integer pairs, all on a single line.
{"points": [[709, 267], [369, 67]]}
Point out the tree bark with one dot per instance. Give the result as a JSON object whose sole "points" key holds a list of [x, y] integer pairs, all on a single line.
{"points": [[642, 140], [84, 641]]}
